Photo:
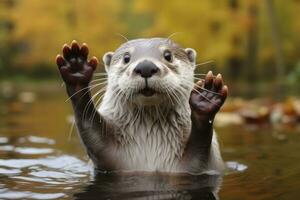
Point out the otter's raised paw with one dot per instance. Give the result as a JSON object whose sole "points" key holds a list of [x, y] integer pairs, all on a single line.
{"points": [[74, 67], [208, 96]]}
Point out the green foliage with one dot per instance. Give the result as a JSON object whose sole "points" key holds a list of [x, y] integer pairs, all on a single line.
{"points": [[294, 76]]}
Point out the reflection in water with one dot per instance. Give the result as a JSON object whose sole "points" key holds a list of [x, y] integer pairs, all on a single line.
{"points": [[234, 166], [38, 161], [62, 162], [5, 194], [51, 176], [146, 187], [31, 172]]}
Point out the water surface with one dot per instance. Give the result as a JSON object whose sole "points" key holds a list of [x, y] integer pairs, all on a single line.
{"points": [[42, 158]]}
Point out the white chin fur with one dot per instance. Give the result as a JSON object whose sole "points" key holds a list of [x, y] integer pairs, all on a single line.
{"points": [[155, 99]]}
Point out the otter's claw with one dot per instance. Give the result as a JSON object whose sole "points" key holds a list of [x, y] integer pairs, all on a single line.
{"points": [[209, 95], [74, 67]]}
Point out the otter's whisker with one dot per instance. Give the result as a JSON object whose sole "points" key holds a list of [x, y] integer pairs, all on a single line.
{"points": [[202, 88], [204, 63], [163, 116], [176, 97], [92, 88], [119, 95], [182, 90], [96, 106], [100, 79], [205, 97], [100, 75], [168, 93], [88, 87], [71, 130], [131, 95], [203, 75], [127, 96], [199, 79], [91, 104], [171, 96], [173, 34], [84, 116], [97, 103], [137, 115], [91, 101], [122, 36]]}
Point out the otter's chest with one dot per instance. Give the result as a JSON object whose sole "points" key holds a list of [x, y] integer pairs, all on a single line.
{"points": [[151, 145]]}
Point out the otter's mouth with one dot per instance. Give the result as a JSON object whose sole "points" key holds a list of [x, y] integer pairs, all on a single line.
{"points": [[148, 92]]}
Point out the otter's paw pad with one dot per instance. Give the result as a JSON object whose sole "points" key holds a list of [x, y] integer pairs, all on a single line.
{"points": [[209, 95], [74, 66]]}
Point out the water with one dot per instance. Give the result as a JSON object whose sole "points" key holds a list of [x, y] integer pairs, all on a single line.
{"points": [[39, 159]]}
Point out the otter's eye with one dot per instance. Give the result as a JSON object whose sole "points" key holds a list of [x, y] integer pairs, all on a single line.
{"points": [[168, 56], [126, 58]]}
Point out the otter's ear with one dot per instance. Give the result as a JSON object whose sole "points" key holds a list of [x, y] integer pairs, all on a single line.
{"points": [[107, 59], [192, 54]]}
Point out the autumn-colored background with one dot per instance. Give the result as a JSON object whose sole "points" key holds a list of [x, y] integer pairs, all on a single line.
{"points": [[254, 43]]}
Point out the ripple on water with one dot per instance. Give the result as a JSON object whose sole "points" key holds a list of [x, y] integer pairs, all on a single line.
{"points": [[234, 166], [3, 140], [51, 173], [33, 151], [7, 148], [64, 162], [28, 149], [54, 175], [6, 171], [37, 140], [48, 176], [5, 194]]}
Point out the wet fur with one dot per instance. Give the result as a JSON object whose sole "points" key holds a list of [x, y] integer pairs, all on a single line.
{"points": [[125, 134], [147, 139], [152, 137]]}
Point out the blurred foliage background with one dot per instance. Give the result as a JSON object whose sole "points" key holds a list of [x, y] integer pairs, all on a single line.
{"points": [[255, 44]]}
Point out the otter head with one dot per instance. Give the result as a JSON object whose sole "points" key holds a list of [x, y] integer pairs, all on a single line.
{"points": [[151, 71]]}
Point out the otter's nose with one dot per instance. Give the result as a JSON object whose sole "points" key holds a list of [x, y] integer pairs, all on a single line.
{"points": [[146, 69]]}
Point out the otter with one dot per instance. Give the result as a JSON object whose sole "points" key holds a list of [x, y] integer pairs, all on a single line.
{"points": [[152, 117]]}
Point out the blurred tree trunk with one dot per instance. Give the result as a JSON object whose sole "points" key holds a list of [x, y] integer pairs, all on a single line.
{"points": [[7, 46], [251, 47], [280, 63], [235, 61]]}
